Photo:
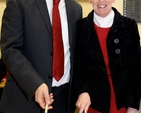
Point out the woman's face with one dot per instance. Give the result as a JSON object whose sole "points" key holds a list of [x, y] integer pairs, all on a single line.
{"points": [[102, 7]]}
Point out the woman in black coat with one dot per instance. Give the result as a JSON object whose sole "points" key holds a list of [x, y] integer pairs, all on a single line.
{"points": [[107, 68]]}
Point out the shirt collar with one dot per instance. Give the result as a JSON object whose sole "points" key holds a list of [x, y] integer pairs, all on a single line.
{"points": [[104, 22]]}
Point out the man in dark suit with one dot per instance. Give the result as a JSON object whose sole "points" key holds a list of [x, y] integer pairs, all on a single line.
{"points": [[27, 51]]}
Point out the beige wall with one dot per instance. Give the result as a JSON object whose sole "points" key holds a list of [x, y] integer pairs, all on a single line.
{"points": [[87, 8], [2, 6]]}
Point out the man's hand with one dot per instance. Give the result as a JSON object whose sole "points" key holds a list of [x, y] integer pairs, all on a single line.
{"points": [[43, 97], [83, 102]]}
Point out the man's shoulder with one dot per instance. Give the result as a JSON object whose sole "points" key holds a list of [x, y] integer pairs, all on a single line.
{"points": [[74, 2]]}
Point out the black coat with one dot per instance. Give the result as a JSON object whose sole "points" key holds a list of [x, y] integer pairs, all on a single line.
{"points": [[90, 74]]}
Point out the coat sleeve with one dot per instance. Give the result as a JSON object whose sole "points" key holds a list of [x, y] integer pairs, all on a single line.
{"points": [[80, 63], [134, 61]]}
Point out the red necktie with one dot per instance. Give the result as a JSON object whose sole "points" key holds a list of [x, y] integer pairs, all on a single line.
{"points": [[58, 50]]}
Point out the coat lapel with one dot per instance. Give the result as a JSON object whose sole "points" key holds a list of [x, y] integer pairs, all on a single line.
{"points": [[45, 15], [91, 42]]}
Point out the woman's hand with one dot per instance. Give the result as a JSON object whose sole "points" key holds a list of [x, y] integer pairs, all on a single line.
{"points": [[131, 110], [83, 102]]}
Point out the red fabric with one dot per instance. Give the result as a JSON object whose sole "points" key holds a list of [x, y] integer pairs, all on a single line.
{"points": [[58, 49], [113, 107], [102, 35], [91, 110], [6, 75]]}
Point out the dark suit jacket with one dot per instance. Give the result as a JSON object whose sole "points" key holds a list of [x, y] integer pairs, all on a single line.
{"points": [[123, 42], [2, 69], [27, 51]]}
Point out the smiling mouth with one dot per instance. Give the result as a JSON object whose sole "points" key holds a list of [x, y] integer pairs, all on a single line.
{"points": [[102, 6]]}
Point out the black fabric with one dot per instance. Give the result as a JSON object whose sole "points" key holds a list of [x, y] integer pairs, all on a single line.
{"points": [[60, 95], [1, 89], [2, 69]]}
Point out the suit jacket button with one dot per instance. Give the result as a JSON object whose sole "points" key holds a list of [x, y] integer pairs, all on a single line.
{"points": [[51, 53], [50, 77], [26, 95]]}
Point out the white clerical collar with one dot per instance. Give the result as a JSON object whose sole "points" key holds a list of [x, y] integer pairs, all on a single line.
{"points": [[104, 22]]}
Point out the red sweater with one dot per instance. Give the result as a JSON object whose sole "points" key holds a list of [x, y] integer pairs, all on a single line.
{"points": [[102, 36]]}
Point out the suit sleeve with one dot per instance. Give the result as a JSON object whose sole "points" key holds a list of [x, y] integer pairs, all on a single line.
{"points": [[12, 41]]}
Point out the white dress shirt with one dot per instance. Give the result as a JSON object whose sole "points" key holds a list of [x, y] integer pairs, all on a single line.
{"points": [[64, 24]]}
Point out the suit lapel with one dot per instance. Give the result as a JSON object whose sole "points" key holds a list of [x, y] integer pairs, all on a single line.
{"points": [[69, 12], [44, 12], [41, 4]]}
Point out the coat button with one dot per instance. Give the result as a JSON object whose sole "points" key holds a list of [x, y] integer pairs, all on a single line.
{"points": [[117, 51], [123, 74], [116, 41], [115, 30]]}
